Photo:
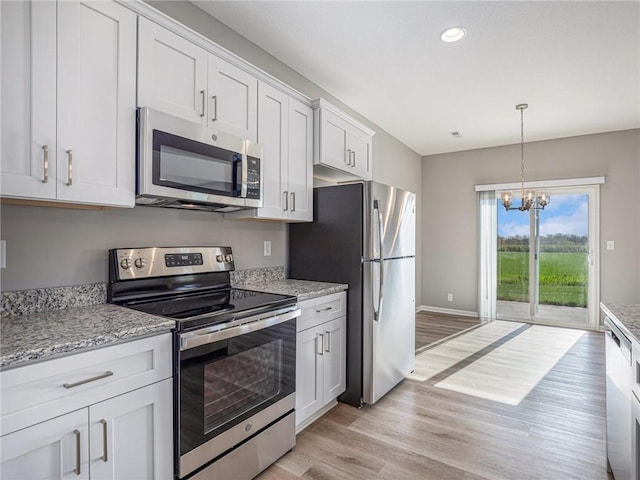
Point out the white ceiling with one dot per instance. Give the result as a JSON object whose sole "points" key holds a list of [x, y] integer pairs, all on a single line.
{"points": [[577, 64]]}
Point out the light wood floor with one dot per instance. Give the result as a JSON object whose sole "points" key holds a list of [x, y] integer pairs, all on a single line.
{"points": [[418, 431], [433, 327]]}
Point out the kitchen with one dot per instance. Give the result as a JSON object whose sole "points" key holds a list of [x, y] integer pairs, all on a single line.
{"points": [[49, 247]]}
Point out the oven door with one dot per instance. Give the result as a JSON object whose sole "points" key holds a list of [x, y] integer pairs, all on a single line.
{"points": [[233, 383], [183, 160]]}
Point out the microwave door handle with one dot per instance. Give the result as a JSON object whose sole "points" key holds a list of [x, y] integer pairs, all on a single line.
{"points": [[245, 175]]}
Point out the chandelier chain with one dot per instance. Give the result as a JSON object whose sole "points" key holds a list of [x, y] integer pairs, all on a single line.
{"points": [[522, 149]]}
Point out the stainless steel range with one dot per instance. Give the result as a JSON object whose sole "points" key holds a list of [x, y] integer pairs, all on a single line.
{"points": [[235, 353]]}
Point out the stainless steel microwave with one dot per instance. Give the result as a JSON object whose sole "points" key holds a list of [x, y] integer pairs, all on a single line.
{"points": [[182, 164]]}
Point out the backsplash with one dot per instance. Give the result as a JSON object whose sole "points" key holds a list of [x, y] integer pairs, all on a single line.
{"points": [[28, 302]]}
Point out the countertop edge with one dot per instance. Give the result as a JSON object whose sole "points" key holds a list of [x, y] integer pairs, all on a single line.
{"points": [[619, 323]]}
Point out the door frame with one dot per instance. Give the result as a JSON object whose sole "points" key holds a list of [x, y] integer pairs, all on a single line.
{"points": [[487, 228]]}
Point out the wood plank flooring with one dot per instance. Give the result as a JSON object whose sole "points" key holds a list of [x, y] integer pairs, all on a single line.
{"points": [[419, 431], [433, 327]]}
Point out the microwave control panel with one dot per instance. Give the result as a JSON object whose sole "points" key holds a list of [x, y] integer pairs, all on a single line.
{"points": [[253, 177]]}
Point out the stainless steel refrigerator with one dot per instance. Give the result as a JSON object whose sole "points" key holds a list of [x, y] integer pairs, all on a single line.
{"points": [[363, 234]]}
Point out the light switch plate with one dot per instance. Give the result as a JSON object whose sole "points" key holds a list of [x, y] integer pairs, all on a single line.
{"points": [[267, 248], [3, 254], [611, 245]]}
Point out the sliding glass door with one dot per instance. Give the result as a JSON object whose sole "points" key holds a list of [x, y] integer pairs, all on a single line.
{"points": [[545, 260]]}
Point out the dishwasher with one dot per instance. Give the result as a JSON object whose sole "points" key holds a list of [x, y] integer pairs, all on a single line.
{"points": [[619, 384]]}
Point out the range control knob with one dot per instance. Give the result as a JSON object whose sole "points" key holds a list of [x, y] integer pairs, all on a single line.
{"points": [[220, 258], [140, 262], [228, 258], [125, 263]]}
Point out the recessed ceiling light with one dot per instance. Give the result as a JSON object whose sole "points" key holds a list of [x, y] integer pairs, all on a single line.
{"points": [[453, 34]]}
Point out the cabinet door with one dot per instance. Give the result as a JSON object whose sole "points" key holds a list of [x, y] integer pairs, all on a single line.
{"points": [[635, 437], [172, 73], [273, 136], [300, 179], [335, 365], [132, 434], [360, 146], [309, 373], [53, 449], [334, 134], [28, 118], [96, 103], [233, 97]]}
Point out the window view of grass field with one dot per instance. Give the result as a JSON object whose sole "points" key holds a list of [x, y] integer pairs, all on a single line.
{"points": [[562, 253]]}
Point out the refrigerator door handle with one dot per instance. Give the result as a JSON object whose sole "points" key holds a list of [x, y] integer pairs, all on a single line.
{"points": [[376, 312]]}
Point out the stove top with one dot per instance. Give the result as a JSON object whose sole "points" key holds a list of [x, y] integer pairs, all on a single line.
{"points": [[209, 308], [188, 284]]}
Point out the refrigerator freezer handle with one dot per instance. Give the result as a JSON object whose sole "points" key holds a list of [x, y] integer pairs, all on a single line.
{"points": [[376, 312]]}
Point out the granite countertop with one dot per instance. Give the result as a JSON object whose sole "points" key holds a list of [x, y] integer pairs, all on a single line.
{"points": [[627, 315], [302, 289], [38, 336]]}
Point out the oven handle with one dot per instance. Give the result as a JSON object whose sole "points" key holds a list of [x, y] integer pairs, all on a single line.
{"points": [[195, 339]]}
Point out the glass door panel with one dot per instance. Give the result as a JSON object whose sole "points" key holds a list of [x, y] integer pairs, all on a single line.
{"points": [[544, 260]]}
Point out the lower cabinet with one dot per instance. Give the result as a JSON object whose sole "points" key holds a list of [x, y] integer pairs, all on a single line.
{"points": [[321, 356], [126, 436]]}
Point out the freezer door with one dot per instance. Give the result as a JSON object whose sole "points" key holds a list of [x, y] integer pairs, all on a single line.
{"points": [[392, 212], [389, 341]]}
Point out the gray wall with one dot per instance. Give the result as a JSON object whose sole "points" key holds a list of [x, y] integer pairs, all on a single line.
{"points": [[55, 246], [450, 209], [60, 246]]}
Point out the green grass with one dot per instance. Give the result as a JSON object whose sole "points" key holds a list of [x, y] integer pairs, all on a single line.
{"points": [[563, 278]]}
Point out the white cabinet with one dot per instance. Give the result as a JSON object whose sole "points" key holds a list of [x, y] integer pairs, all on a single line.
{"points": [[68, 96], [320, 356], [343, 148], [107, 413], [285, 132], [183, 79]]}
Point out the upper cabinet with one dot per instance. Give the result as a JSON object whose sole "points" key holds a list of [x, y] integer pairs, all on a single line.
{"points": [[68, 102], [285, 132], [183, 79], [343, 148]]}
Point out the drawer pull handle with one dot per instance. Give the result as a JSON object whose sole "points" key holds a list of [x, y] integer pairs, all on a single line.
{"points": [[77, 469], [88, 380], [105, 456], [324, 309]]}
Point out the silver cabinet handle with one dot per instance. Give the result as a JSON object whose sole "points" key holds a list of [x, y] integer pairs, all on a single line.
{"points": [[203, 102], [347, 158], [45, 150], [106, 374], [353, 154], [77, 469], [105, 456], [286, 200], [328, 347], [320, 343], [324, 309], [215, 108], [70, 168], [293, 201]]}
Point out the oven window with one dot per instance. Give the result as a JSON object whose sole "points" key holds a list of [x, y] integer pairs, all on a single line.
{"points": [[225, 383], [240, 382], [189, 165]]}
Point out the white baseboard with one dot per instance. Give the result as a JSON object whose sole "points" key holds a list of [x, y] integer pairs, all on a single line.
{"points": [[449, 311]]}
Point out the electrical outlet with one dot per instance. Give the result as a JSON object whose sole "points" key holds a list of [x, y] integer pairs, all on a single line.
{"points": [[611, 245], [267, 248], [449, 297]]}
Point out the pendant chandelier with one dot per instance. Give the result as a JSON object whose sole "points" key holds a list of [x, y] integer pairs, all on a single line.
{"points": [[529, 199]]}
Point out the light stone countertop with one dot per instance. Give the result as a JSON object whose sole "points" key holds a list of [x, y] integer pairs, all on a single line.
{"points": [[626, 316], [302, 289], [34, 337]]}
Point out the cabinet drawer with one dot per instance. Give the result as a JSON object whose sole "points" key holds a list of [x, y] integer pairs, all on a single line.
{"points": [[322, 309], [43, 390]]}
